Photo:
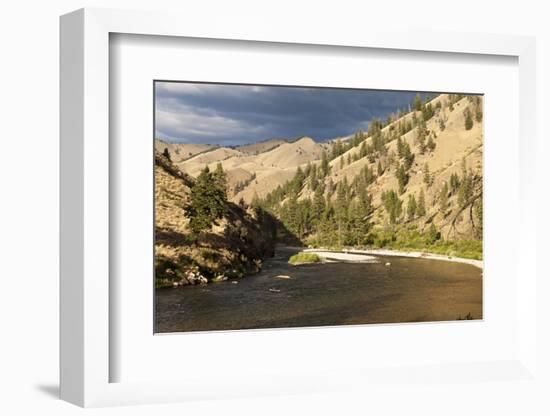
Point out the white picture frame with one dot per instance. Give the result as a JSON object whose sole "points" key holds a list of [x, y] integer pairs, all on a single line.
{"points": [[85, 217]]}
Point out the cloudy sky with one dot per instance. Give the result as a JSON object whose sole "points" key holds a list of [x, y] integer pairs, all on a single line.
{"points": [[239, 114]]}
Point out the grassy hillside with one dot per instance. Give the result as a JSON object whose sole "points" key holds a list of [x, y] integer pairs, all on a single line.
{"points": [[232, 248], [412, 182]]}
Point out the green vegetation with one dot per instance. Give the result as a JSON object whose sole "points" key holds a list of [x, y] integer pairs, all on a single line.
{"points": [[412, 207], [392, 204], [337, 210], [208, 199], [410, 239], [239, 186], [468, 121], [402, 178], [304, 258]]}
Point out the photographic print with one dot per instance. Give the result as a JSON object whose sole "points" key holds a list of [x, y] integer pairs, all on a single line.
{"points": [[289, 206]]}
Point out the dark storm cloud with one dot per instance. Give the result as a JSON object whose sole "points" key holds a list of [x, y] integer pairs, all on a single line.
{"points": [[237, 114]]}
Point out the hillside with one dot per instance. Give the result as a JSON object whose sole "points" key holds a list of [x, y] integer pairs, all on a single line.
{"points": [[413, 181], [182, 151], [233, 248], [256, 174], [260, 147], [195, 164], [454, 145]]}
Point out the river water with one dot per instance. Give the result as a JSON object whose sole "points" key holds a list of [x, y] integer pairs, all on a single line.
{"points": [[409, 290]]}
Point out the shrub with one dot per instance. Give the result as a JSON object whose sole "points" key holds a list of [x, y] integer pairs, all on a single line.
{"points": [[304, 258]]}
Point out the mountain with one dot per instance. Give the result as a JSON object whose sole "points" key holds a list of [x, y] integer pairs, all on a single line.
{"points": [[250, 173], [234, 247], [260, 147], [182, 151], [454, 145], [412, 182]]}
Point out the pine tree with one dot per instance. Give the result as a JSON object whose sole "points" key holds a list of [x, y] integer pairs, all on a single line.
{"points": [[478, 211], [342, 162], [402, 178], [421, 208], [313, 181], [431, 144], [433, 234], [318, 203], [444, 198], [220, 181], [411, 207], [400, 148], [408, 156], [468, 121], [428, 179], [207, 202], [417, 104], [392, 204], [441, 124], [454, 181], [466, 187], [325, 167], [363, 150], [379, 169], [166, 154], [478, 109]]}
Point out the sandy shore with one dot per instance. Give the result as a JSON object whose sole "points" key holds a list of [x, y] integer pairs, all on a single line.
{"points": [[353, 254]]}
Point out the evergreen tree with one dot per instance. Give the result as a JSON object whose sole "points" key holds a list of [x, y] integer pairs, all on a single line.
{"points": [[433, 234], [428, 179], [431, 144], [478, 212], [454, 182], [478, 109], [421, 208], [417, 104], [400, 148], [408, 156], [341, 209], [220, 181], [325, 167], [318, 206], [363, 150], [444, 198], [379, 169], [468, 121], [313, 181], [337, 149], [421, 137], [411, 207], [466, 187], [349, 159], [342, 162], [207, 202], [402, 178], [392, 204], [427, 112], [166, 154]]}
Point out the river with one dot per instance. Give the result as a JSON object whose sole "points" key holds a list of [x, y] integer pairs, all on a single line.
{"points": [[408, 290]]}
